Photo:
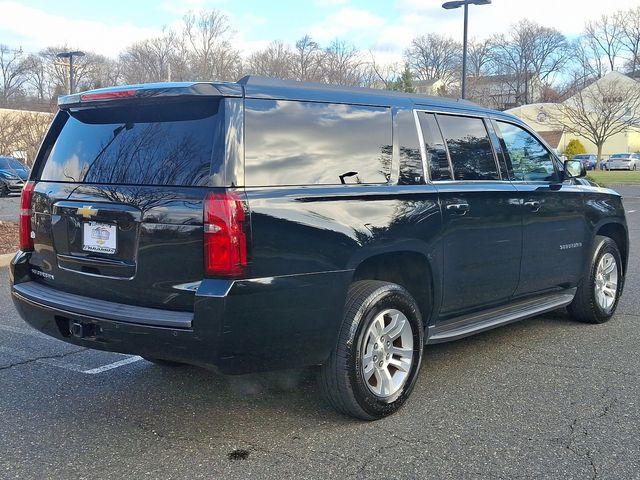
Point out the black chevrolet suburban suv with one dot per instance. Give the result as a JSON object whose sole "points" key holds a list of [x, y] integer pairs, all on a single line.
{"points": [[269, 224]]}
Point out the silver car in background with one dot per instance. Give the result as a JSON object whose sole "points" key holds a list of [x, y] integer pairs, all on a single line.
{"points": [[623, 161]]}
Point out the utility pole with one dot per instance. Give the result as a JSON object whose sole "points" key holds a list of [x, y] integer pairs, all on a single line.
{"points": [[70, 55]]}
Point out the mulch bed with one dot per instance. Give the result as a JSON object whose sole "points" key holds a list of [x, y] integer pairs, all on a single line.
{"points": [[8, 237]]}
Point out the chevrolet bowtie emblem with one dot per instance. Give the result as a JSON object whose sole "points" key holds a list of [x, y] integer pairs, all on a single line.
{"points": [[87, 211]]}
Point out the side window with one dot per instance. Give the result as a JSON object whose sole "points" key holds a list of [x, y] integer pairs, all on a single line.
{"points": [[437, 160], [307, 143], [469, 147], [531, 161]]}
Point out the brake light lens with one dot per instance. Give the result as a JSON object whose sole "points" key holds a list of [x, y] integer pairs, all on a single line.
{"points": [[85, 97], [26, 242], [225, 238]]}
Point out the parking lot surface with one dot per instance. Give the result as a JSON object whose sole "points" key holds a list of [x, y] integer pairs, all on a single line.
{"points": [[10, 208], [543, 398]]}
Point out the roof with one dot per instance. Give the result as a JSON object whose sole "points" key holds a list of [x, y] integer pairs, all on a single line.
{"points": [[425, 83], [270, 88], [552, 137]]}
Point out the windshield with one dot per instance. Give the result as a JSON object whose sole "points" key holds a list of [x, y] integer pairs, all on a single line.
{"points": [[162, 144], [621, 156], [11, 164]]}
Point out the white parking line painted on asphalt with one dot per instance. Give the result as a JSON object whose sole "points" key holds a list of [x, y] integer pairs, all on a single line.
{"points": [[631, 211], [113, 365]]}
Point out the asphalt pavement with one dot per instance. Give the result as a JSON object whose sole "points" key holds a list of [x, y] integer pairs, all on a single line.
{"points": [[543, 398], [10, 208]]}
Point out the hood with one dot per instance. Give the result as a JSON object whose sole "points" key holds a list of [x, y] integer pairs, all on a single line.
{"points": [[22, 173]]}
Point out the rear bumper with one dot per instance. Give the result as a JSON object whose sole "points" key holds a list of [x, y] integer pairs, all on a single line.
{"points": [[235, 326]]}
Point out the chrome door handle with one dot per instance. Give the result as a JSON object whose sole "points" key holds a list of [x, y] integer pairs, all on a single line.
{"points": [[533, 205], [458, 208]]}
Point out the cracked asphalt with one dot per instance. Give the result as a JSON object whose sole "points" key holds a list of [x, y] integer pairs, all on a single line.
{"points": [[543, 398]]}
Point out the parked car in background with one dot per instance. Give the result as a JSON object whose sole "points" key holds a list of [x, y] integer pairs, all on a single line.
{"points": [[13, 174], [623, 161], [588, 160], [272, 224]]}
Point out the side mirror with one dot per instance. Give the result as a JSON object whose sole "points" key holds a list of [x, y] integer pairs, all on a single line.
{"points": [[574, 169]]}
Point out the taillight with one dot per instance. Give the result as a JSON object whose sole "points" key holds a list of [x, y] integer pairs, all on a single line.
{"points": [[26, 242], [225, 238]]}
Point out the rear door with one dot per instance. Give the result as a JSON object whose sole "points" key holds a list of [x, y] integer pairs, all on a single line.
{"points": [[482, 231], [118, 200], [555, 233]]}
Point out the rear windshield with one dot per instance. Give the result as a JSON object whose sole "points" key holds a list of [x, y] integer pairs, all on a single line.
{"points": [[161, 144]]}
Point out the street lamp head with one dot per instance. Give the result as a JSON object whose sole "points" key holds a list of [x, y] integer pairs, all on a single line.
{"points": [[461, 3], [452, 5], [76, 53]]}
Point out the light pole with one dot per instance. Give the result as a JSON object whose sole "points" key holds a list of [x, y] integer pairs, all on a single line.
{"points": [[465, 4], [70, 56]]}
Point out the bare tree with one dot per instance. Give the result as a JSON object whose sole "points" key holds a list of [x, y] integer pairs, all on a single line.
{"points": [[479, 57], [630, 39], [604, 109], [12, 72], [434, 57], [604, 38], [386, 75], [586, 65], [529, 56], [57, 71], [274, 61], [306, 59], [151, 60], [342, 64], [22, 132], [36, 76], [207, 35]]}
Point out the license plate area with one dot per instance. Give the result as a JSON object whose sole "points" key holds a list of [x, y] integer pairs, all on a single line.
{"points": [[99, 237]]}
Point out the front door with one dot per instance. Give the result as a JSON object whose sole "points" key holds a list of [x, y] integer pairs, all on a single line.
{"points": [[555, 235]]}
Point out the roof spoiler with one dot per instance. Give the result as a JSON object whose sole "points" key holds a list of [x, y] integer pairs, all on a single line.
{"points": [[151, 90]]}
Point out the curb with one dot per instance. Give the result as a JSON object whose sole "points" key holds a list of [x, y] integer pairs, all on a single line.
{"points": [[5, 259]]}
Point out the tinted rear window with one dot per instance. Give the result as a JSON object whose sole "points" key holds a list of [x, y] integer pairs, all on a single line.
{"points": [[469, 147], [162, 144], [306, 143]]}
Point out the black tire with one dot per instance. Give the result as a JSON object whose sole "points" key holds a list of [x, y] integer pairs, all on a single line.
{"points": [[4, 190], [164, 363], [585, 307], [340, 378]]}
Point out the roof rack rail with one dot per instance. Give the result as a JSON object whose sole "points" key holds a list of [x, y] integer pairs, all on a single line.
{"points": [[259, 82]]}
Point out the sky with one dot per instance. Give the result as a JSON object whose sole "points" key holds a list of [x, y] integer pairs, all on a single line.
{"points": [[383, 27]]}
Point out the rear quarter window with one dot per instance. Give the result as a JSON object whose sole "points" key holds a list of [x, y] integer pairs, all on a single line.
{"points": [[161, 144], [307, 143]]}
